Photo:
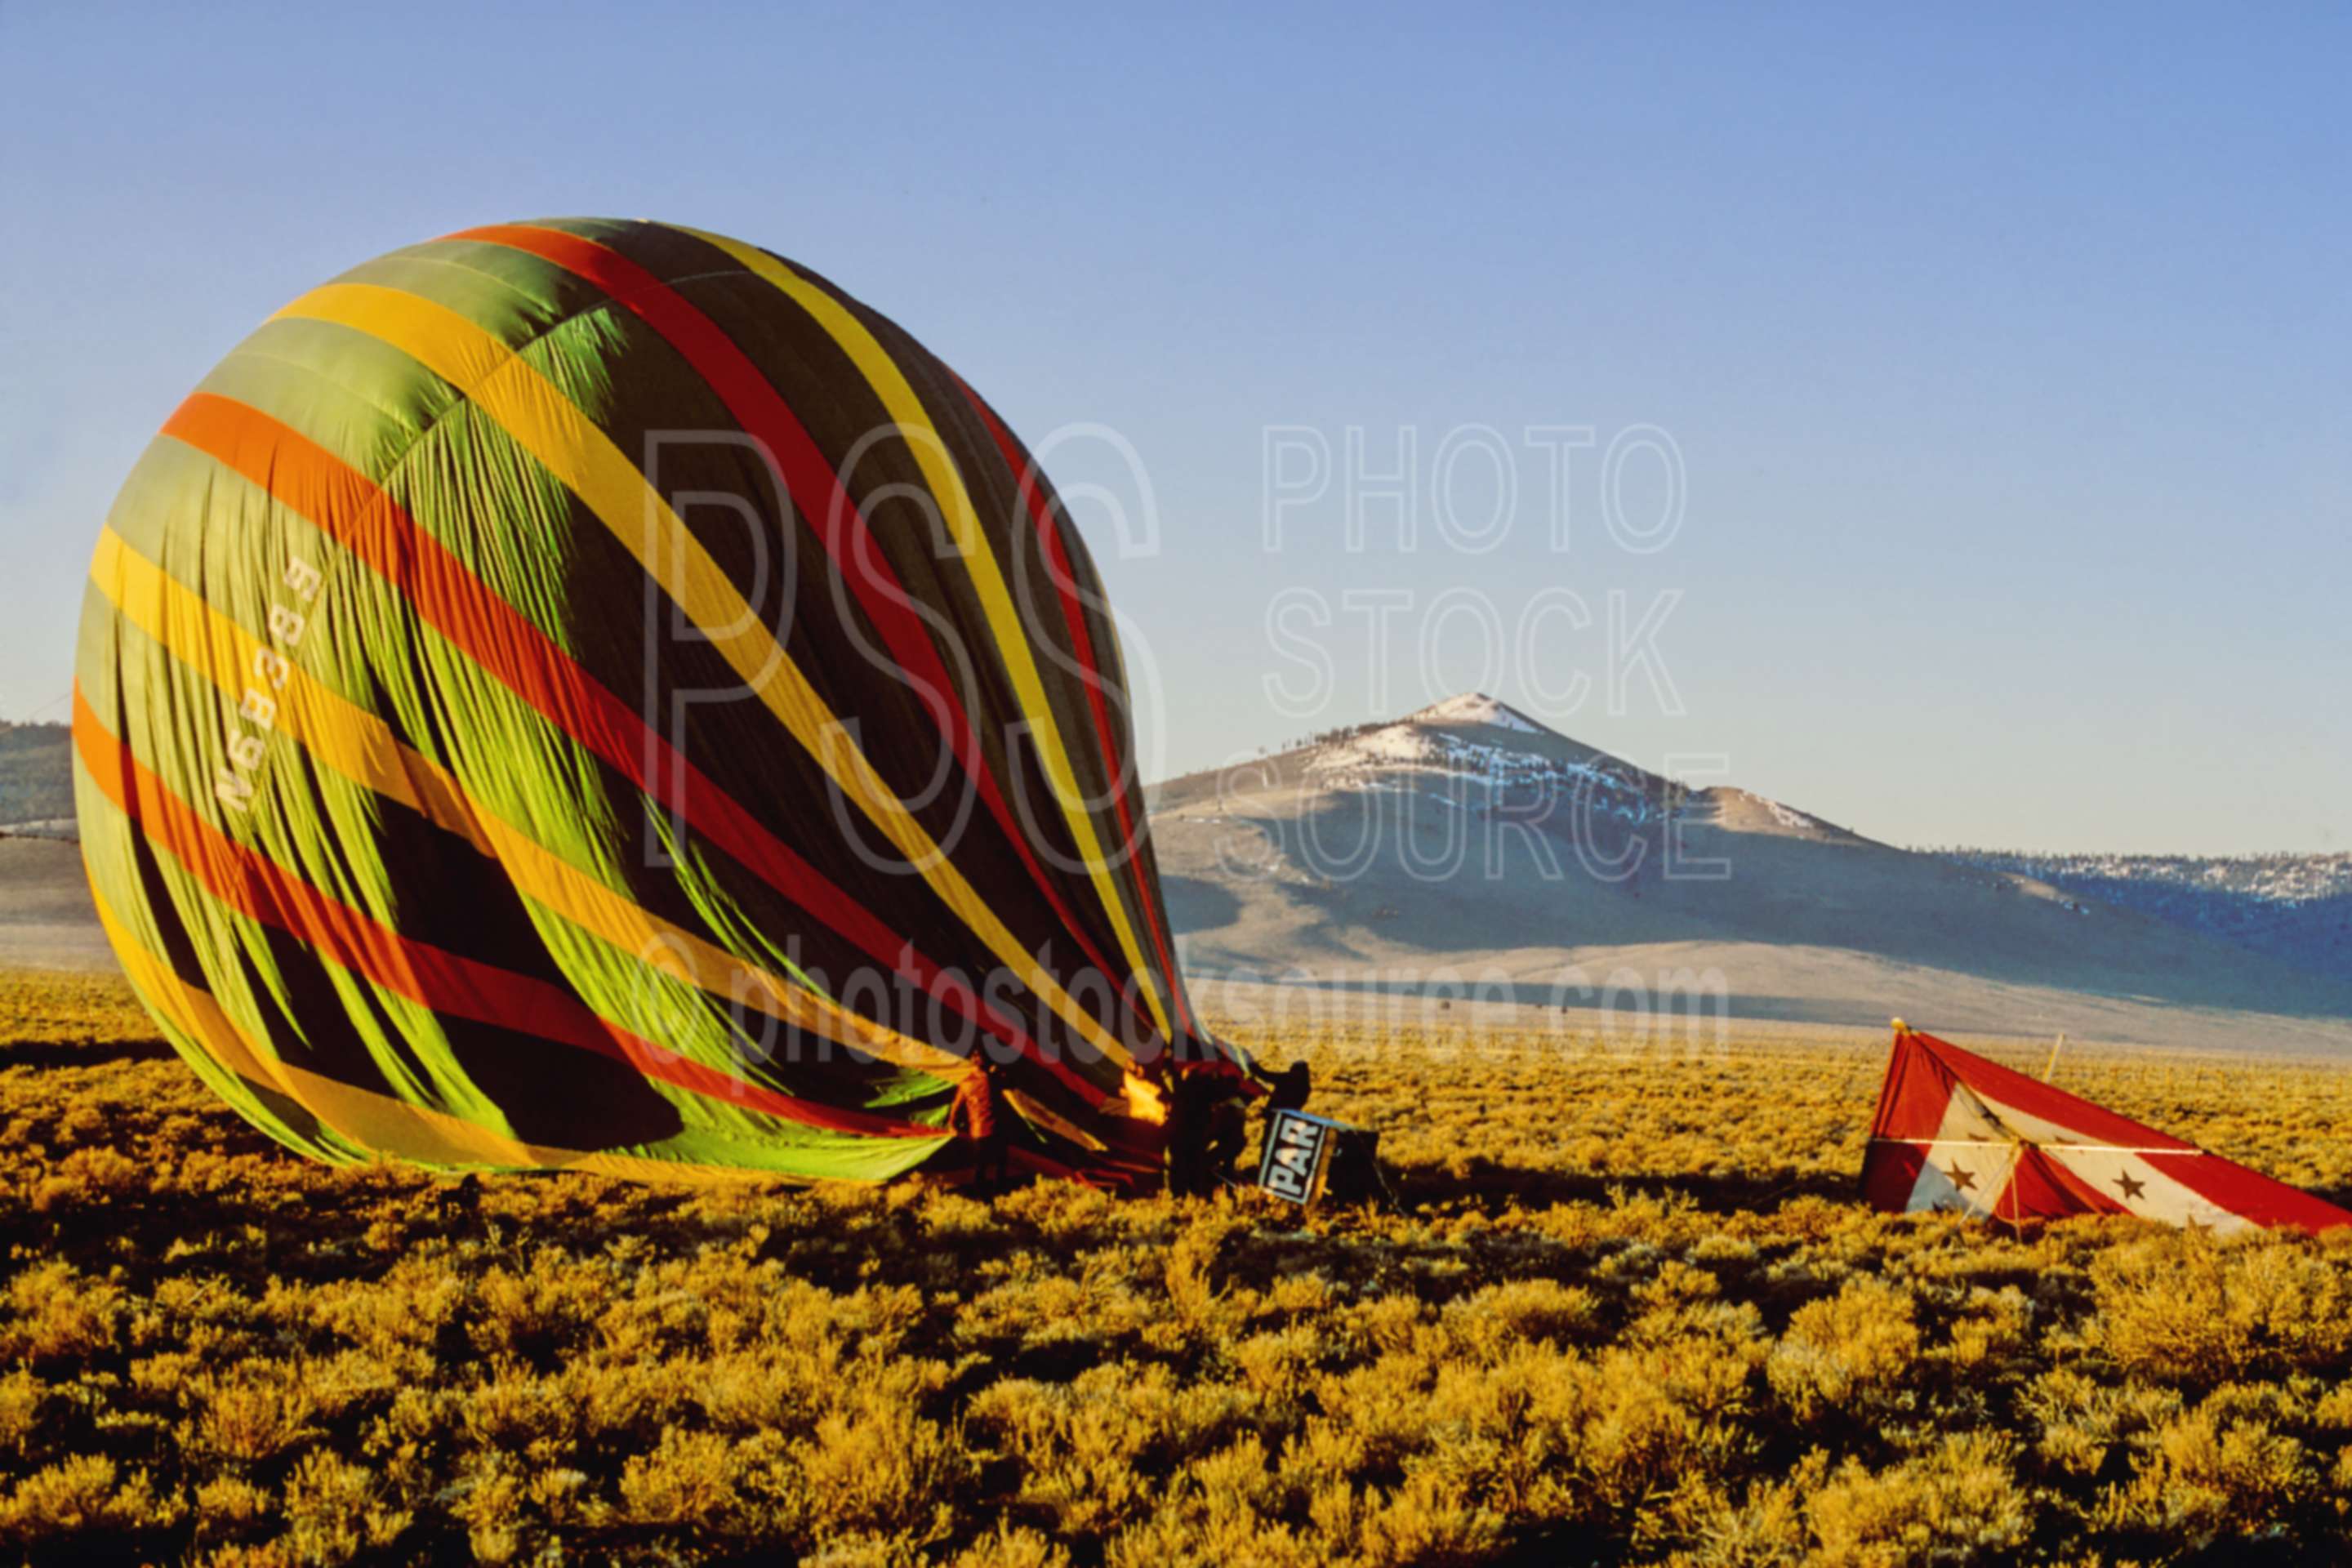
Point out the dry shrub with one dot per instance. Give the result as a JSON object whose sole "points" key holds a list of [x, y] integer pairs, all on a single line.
{"points": [[614, 1400], [753, 1392], [536, 1312], [2080, 1422], [1188, 1274], [229, 1506], [1489, 1320], [241, 1554], [21, 1396], [2206, 1476], [881, 1467], [688, 1480], [1849, 1351], [1276, 1364], [1060, 1209], [487, 1500], [516, 1408], [1220, 1509], [1426, 1521], [399, 1312], [81, 1497], [1766, 1526], [88, 1178], [334, 1508], [1656, 1419], [1383, 1324], [1012, 1546], [256, 1413], [1091, 1453], [1992, 1334], [56, 1313], [1299, 1296], [1568, 1358], [1959, 1503], [952, 1217], [2179, 1309]]}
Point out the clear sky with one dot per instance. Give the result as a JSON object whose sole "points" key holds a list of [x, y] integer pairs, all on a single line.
{"points": [[2003, 358]]}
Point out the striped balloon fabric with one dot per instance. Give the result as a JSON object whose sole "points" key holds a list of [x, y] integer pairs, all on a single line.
{"points": [[591, 694]]}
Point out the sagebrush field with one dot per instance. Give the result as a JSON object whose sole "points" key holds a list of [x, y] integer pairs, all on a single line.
{"points": [[1629, 1312]]}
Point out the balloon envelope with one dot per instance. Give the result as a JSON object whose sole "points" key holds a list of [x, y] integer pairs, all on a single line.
{"points": [[591, 693]]}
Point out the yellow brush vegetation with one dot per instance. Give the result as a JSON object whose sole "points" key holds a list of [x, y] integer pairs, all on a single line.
{"points": [[1631, 1311]]}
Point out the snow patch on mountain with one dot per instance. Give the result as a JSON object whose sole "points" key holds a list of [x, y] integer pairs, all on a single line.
{"points": [[1473, 774], [1408, 747], [1476, 708]]}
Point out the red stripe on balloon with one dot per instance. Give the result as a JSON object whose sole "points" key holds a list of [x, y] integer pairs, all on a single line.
{"points": [[259, 889], [364, 519], [1065, 581], [817, 492]]}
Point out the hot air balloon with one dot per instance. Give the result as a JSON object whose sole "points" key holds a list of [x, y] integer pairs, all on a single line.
{"points": [[591, 694]]}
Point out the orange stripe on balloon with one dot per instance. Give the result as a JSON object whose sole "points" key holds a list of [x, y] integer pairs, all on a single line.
{"points": [[557, 432], [364, 519], [262, 891], [374, 1119], [358, 744], [923, 442], [817, 492], [1074, 614]]}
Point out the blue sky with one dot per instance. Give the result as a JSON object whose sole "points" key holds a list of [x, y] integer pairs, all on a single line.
{"points": [[2004, 358]]}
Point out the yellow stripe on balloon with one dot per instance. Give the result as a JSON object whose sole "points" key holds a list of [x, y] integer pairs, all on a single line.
{"points": [[549, 427], [195, 1014], [906, 409], [207, 1026], [561, 888], [1035, 1112], [360, 746], [372, 1119], [346, 738]]}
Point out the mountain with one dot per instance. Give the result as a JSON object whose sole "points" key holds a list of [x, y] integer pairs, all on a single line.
{"points": [[35, 775], [1468, 839], [2296, 909]]}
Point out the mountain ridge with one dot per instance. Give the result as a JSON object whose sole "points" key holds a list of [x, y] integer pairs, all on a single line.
{"points": [[1346, 855], [2296, 909]]}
